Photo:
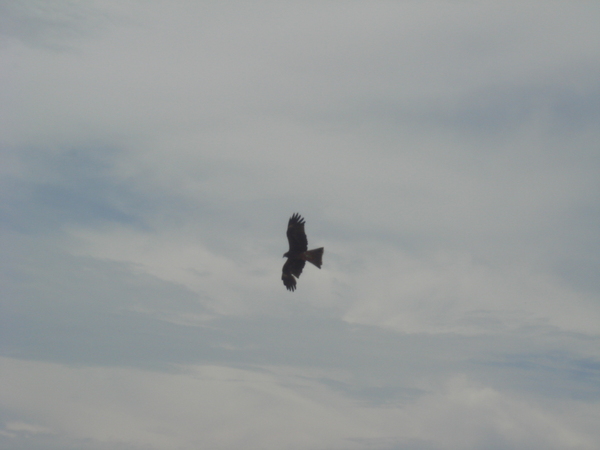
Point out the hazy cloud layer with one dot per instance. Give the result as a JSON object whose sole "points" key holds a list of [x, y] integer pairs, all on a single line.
{"points": [[445, 155]]}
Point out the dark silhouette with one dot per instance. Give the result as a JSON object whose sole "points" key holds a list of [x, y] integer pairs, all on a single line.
{"points": [[298, 253]]}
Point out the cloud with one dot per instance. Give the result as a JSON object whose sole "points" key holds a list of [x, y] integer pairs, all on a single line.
{"points": [[276, 408], [51, 25], [443, 154]]}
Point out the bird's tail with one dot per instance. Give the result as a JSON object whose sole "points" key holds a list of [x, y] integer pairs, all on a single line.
{"points": [[315, 256]]}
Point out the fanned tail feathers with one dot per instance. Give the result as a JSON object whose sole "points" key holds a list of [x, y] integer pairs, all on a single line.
{"points": [[315, 256]]}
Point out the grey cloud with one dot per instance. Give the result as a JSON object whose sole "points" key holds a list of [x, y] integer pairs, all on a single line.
{"points": [[49, 441], [52, 24], [83, 311], [445, 156]]}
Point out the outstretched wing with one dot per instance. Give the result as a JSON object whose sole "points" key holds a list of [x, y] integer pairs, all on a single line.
{"points": [[296, 236], [292, 267]]}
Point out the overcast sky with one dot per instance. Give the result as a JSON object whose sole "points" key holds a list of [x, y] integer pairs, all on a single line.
{"points": [[445, 154]]}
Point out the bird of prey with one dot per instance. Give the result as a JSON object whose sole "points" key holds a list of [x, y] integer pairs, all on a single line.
{"points": [[298, 252]]}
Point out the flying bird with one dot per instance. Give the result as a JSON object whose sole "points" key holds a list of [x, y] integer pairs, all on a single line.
{"points": [[298, 253]]}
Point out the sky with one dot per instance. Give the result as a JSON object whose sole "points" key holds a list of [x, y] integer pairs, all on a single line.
{"points": [[445, 153]]}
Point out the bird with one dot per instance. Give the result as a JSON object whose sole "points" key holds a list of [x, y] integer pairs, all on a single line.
{"points": [[298, 253]]}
